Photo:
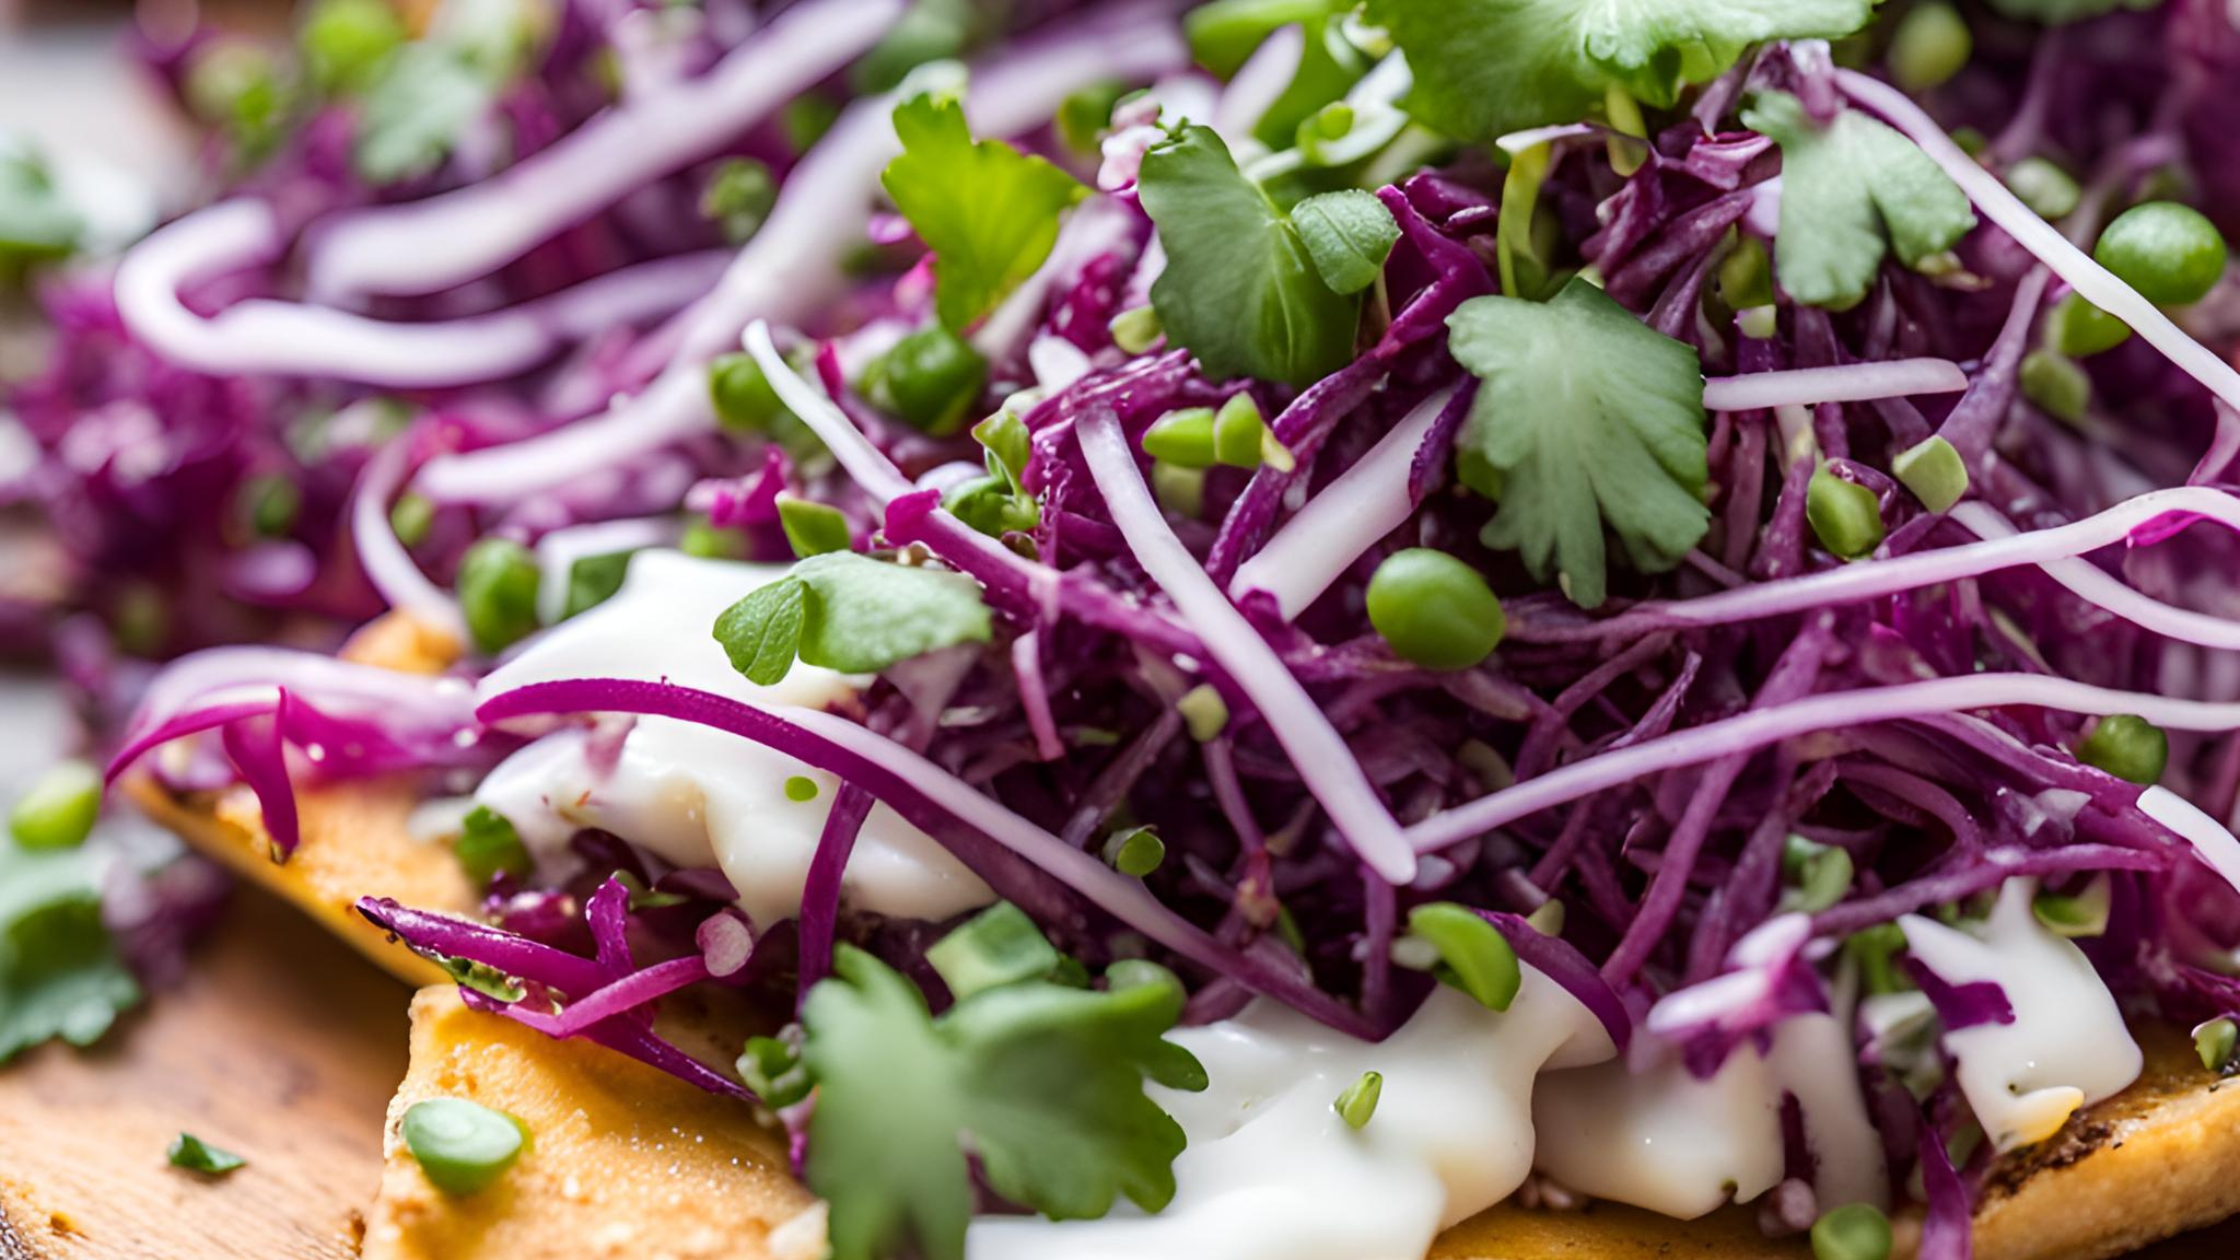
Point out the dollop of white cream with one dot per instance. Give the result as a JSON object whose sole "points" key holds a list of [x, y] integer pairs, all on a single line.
{"points": [[693, 795], [1652, 1135], [1273, 1173], [2067, 1046]]}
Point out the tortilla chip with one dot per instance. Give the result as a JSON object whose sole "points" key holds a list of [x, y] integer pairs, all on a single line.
{"points": [[624, 1160], [354, 839], [2155, 1160]]}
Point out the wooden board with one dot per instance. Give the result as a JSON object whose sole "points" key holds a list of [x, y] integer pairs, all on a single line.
{"points": [[281, 1045]]}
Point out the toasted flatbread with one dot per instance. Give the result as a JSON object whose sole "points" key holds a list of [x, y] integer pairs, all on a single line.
{"points": [[629, 1161]]}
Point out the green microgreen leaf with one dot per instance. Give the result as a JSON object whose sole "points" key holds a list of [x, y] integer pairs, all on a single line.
{"points": [[1044, 1083], [593, 580], [1240, 289], [1851, 191], [988, 212], [1584, 419], [488, 845], [813, 528], [1348, 234], [1473, 955], [998, 946], [1484, 67], [851, 613], [60, 975], [195, 1155]]}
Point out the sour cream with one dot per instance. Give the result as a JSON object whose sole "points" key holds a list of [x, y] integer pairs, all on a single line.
{"points": [[1652, 1135], [692, 795], [1273, 1173], [2067, 1046]]}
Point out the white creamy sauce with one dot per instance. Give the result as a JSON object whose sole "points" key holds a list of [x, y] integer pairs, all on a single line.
{"points": [[1654, 1136], [1273, 1173], [2067, 1046], [693, 795]]}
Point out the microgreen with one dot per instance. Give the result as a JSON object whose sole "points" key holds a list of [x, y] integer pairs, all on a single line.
{"points": [[1241, 289], [851, 613]]}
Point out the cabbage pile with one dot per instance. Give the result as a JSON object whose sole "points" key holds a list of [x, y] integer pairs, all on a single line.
{"points": [[1684, 486]]}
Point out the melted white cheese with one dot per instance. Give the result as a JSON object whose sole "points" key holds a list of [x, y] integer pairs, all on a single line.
{"points": [[2067, 1046], [696, 796], [1273, 1173]]}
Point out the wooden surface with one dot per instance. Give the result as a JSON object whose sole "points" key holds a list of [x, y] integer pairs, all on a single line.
{"points": [[281, 1045]]}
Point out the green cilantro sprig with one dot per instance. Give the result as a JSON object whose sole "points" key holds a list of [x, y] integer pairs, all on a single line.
{"points": [[1850, 191], [1043, 1082], [851, 613], [1241, 289], [1584, 418], [988, 212], [1484, 67], [60, 976]]}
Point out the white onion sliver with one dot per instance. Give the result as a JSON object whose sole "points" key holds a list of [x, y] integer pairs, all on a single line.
{"points": [[1325, 763], [864, 463], [1872, 579], [388, 566], [443, 241], [2090, 582], [1337, 525], [1851, 382], [2098, 285], [2209, 838], [791, 267], [261, 336], [1827, 711]]}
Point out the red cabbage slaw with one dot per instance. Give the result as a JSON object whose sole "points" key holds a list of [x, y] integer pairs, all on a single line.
{"points": [[1916, 708]]}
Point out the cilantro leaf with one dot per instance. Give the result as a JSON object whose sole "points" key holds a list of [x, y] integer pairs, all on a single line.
{"points": [[1348, 234], [1584, 417], [424, 96], [60, 975], [1240, 289], [1484, 67], [851, 613], [195, 1155], [1847, 189], [1044, 1083], [988, 212]]}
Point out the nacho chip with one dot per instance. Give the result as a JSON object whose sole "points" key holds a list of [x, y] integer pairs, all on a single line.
{"points": [[623, 1161], [354, 839]]}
